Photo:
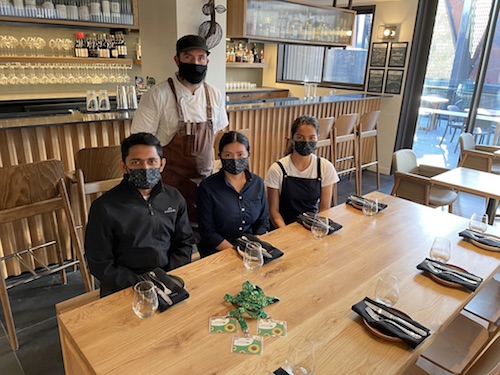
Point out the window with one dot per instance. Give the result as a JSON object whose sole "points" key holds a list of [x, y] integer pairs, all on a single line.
{"points": [[330, 66]]}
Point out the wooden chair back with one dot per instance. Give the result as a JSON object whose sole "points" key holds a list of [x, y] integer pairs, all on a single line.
{"points": [[345, 149], [368, 146], [97, 171], [35, 193], [325, 136]]}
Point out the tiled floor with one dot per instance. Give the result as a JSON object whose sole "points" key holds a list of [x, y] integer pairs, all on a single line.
{"points": [[34, 311]]}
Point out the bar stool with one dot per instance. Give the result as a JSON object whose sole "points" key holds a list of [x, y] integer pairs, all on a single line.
{"points": [[345, 149], [367, 146], [325, 137], [36, 223]]}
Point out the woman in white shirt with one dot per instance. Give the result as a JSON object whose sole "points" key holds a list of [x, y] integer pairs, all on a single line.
{"points": [[301, 181]]}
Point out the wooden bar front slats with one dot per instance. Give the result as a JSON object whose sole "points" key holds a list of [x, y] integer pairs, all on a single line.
{"points": [[31, 144], [271, 126]]}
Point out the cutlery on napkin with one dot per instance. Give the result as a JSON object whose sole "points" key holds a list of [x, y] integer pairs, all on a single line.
{"points": [[269, 252], [307, 219], [165, 284], [357, 201], [485, 239], [391, 322], [448, 273]]}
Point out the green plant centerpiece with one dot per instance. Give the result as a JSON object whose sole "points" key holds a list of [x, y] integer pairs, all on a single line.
{"points": [[250, 300]]}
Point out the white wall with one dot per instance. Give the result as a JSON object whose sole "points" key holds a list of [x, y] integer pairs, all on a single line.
{"points": [[162, 23], [387, 12]]}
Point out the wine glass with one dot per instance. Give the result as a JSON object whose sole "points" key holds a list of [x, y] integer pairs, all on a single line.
{"points": [[478, 222], [252, 258], [387, 290], [440, 249], [320, 226], [300, 358], [145, 299]]}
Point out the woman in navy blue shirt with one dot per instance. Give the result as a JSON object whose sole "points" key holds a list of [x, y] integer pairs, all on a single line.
{"points": [[231, 202]]}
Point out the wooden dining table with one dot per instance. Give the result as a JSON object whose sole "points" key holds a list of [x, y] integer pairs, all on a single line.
{"points": [[475, 182], [317, 281]]}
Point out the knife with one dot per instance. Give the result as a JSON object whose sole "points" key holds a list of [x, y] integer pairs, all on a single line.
{"points": [[453, 270], [388, 315]]}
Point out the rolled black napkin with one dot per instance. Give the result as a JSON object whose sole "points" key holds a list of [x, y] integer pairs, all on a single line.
{"points": [[469, 235], [307, 219], [160, 279], [357, 202], [446, 272], [272, 252], [419, 331]]}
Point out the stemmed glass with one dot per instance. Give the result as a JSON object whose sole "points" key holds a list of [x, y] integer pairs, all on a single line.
{"points": [[440, 249], [300, 359], [478, 222], [387, 290]]}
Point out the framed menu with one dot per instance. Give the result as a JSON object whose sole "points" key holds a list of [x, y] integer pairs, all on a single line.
{"points": [[394, 81], [375, 80], [397, 56], [379, 54]]}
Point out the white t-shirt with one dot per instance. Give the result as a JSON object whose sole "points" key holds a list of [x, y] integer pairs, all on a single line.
{"points": [[157, 112], [274, 176]]}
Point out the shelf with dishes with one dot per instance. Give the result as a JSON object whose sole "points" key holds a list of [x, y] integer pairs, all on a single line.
{"points": [[64, 60], [239, 65]]}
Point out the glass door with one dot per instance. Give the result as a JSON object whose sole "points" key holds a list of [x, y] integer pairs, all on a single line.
{"points": [[456, 51]]}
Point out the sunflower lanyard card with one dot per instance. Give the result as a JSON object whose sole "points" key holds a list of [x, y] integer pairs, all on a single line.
{"points": [[271, 327]]}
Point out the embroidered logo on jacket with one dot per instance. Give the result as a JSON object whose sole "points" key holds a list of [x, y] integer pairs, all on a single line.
{"points": [[170, 210]]}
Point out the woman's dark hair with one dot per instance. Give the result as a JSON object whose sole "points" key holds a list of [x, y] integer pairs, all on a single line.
{"points": [[302, 120], [231, 137], [146, 139]]}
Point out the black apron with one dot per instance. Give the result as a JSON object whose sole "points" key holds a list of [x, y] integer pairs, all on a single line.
{"points": [[299, 195]]}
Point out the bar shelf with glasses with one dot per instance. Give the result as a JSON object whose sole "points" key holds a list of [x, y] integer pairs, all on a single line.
{"points": [[297, 22], [89, 13]]}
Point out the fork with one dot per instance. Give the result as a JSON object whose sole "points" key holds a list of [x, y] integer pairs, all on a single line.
{"points": [[378, 318], [438, 271], [163, 293]]}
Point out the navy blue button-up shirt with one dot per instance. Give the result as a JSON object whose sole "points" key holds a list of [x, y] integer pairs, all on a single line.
{"points": [[224, 213]]}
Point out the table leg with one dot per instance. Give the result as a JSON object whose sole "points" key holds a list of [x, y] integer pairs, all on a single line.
{"points": [[491, 210]]}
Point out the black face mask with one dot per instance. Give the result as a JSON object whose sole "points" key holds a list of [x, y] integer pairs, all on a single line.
{"points": [[234, 166], [193, 73], [304, 148], [144, 178]]}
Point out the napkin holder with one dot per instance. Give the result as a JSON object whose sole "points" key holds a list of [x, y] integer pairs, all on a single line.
{"points": [[241, 242], [178, 292], [307, 219]]}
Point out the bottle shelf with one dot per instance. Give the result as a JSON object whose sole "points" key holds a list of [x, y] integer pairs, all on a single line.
{"points": [[246, 65], [65, 59]]}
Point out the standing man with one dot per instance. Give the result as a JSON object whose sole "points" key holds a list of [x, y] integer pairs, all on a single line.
{"points": [[185, 112], [140, 224]]}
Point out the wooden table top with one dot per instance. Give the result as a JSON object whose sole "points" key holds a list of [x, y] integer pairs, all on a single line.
{"points": [[471, 181], [317, 280]]}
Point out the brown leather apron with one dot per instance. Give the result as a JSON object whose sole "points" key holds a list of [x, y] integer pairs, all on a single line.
{"points": [[190, 154]]}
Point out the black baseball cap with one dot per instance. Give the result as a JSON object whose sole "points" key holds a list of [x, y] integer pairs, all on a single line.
{"points": [[190, 42]]}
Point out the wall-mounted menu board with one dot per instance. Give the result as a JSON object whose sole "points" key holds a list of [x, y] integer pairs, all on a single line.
{"points": [[289, 21]]}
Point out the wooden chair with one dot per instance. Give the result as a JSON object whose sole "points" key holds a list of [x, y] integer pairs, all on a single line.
{"points": [[486, 305], [368, 146], [97, 171], [325, 137], [345, 149], [480, 157], [456, 348], [31, 193], [412, 181], [488, 362]]}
